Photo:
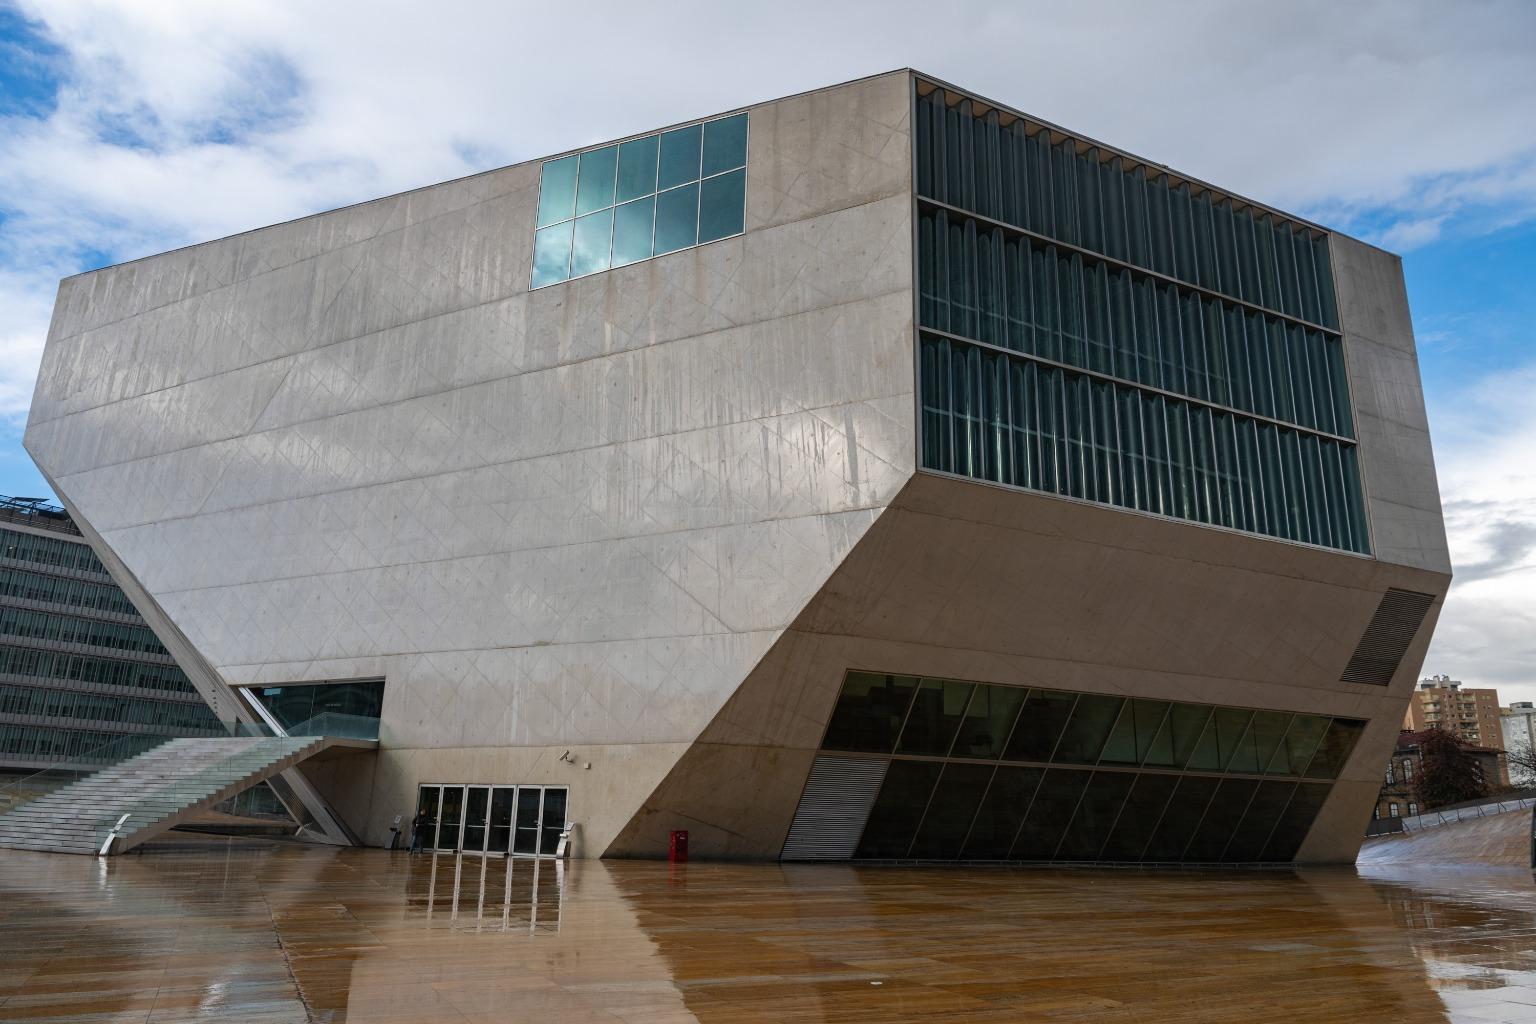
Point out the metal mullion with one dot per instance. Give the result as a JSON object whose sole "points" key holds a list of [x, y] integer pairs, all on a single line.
{"points": [[1125, 709], [1150, 388], [1073, 816], [1251, 797], [1178, 282], [970, 826]]}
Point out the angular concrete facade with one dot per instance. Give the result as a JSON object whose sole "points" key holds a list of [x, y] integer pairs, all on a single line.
{"points": [[648, 519]]}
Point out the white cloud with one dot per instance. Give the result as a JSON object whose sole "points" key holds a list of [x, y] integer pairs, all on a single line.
{"points": [[182, 120], [1485, 437]]}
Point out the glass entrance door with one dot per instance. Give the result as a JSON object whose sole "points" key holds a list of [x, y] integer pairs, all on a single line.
{"points": [[499, 820], [500, 838], [476, 805], [525, 839], [451, 819]]}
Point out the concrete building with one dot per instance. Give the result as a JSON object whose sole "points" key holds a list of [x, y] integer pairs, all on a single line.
{"points": [[1517, 726], [81, 676], [1469, 713], [878, 472]]}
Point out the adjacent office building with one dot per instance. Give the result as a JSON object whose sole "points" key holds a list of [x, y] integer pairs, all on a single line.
{"points": [[81, 675], [880, 472]]}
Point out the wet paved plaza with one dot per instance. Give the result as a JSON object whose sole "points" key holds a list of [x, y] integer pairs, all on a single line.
{"points": [[253, 932]]}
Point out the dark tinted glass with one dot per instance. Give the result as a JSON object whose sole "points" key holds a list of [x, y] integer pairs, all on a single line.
{"points": [[725, 144], [722, 206], [593, 244], [679, 157], [1335, 748], [1221, 818], [1140, 815], [1177, 736], [1219, 741], [934, 718], [898, 808], [1092, 718], [677, 219], [1039, 726], [1251, 835], [1300, 743], [557, 190], [1096, 815], [954, 803], [1138, 725], [594, 183], [632, 226], [1257, 746], [869, 712], [637, 168], [552, 254], [1180, 818], [1049, 814], [1295, 821], [1002, 811], [988, 721]]}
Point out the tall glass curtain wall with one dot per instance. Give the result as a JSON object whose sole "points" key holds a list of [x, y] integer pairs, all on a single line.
{"points": [[1142, 345], [986, 772], [620, 204], [114, 680]]}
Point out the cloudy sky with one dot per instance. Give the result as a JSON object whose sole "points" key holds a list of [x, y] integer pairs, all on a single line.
{"points": [[128, 127]]}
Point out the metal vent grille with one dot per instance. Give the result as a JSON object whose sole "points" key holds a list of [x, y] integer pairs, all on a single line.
{"points": [[1386, 639], [834, 808]]}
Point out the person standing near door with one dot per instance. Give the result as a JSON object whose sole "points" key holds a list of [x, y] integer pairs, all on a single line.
{"points": [[421, 830]]}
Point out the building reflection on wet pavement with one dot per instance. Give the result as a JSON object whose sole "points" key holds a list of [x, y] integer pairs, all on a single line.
{"points": [[259, 932]]}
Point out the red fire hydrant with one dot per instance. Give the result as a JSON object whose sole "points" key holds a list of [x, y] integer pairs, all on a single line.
{"points": [[677, 849]]}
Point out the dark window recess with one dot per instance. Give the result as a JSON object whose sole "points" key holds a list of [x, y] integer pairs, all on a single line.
{"points": [[1386, 639]]}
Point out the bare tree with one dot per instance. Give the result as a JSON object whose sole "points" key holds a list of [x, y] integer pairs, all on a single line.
{"points": [[1448, 773]]}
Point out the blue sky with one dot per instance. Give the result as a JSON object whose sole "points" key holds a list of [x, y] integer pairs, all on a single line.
{"points": [[129, 127]]}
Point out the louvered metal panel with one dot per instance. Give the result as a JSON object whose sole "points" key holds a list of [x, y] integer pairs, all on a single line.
{"points": [[834, 808], [1386, 639]]}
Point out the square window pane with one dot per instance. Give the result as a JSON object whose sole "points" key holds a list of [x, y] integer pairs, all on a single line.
{"points": [[557, 190], [679, 157], [934, 718], [632, 227], [988, 721], [954, 803], [677, 219], [594, 189], [1039, 726], [552, 254], [898, 809], [637, 168], [869, 712], [594, 238], [1001, 812], [1335, 748], [1140, 815], [722, 206], [1089, 726], [1096, 814], [725, 144], [1301, 741], [1052, 808]]}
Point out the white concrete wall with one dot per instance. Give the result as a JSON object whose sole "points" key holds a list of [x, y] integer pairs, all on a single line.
{"points": [[356, 444]]}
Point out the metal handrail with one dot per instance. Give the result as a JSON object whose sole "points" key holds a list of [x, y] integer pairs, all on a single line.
{"points": [[1435, 819]]}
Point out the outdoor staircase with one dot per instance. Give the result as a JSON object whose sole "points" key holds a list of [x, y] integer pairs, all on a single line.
{"points": [[156, 790]]}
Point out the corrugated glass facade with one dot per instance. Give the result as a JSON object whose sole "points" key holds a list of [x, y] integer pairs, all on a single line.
{"points": [[1100, 329], [986, 772], [79, 669]]}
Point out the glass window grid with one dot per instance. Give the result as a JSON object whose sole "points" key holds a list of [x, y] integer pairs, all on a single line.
{"points": [[1258, 816], [653, 196], [1040, 180], [995, 415], [1029, 296], [42, 702], [52, 626], [53, 552], [977, 692], [22, 663], [63, 745], [64, 591]]}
